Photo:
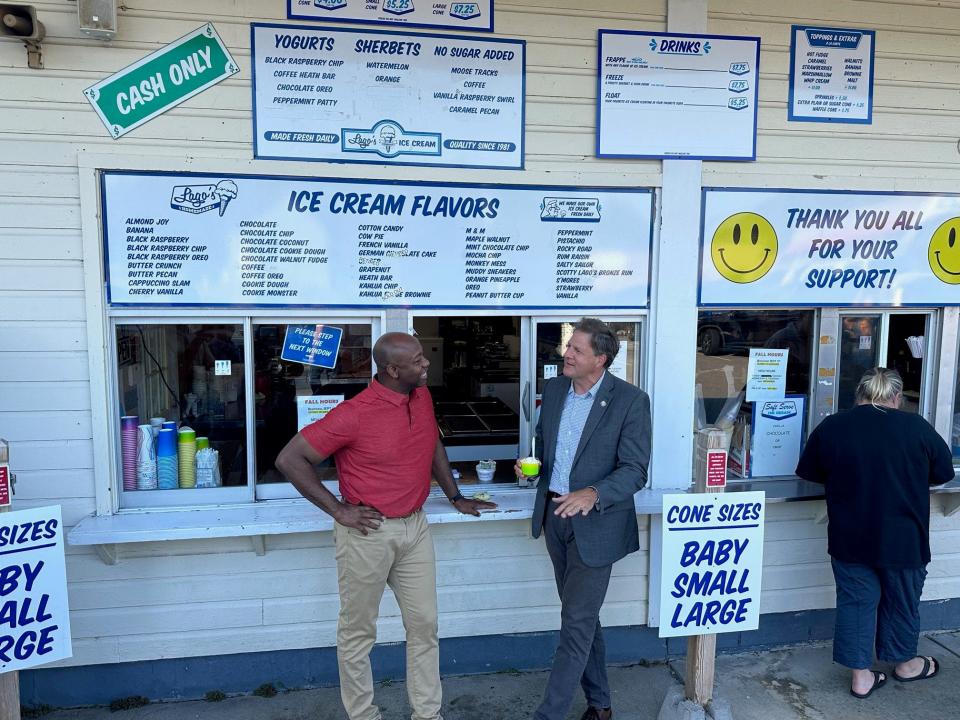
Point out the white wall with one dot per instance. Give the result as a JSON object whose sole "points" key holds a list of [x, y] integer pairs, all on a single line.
{"points": [[207, 597]]}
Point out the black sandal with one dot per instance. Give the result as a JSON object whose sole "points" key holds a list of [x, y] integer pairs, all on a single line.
{"points": [[879, 680], [925, 673]]}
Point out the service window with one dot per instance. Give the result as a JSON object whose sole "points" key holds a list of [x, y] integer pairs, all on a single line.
{"points": [[206, 404], [288, 395], [181, 432], [766, 436], [486, 376], [474, 378], [891, 338]]}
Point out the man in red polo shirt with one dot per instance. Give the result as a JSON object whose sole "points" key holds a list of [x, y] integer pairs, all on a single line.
{"points": [[387, 446]]}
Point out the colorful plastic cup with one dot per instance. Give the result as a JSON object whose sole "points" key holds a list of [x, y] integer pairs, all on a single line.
{"points": [[530, 467]]}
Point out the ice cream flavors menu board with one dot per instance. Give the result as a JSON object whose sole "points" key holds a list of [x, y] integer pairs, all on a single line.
{"points": [[387, 97], [466, 15], [665, 95], [239, 240]]}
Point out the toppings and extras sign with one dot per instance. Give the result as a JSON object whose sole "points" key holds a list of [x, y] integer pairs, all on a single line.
{"points": [[782, 247], [179, 239], [422, 13], [34, 617], [664, 95], [161, 80], [712, 563], [831, 75], [317, 345], [387, 97]]}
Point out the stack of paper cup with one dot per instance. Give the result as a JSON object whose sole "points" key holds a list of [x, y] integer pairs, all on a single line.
{"points": [[202, 443], [187, 454], [170, 425], [128, 445], [156, 423], [146, 459], [167, 475]]}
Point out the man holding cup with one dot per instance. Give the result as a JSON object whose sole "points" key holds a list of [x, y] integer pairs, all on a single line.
{"points": [[593, 447]]}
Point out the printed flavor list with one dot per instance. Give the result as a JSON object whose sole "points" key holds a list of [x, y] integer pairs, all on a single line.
{"points": [[382, 255], [492, 266], [284, 241], [265, 250], [577, 268], [155, 260]]}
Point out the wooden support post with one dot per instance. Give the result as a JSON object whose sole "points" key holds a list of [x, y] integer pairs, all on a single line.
{"points": [[10, 681], [702, 649]]}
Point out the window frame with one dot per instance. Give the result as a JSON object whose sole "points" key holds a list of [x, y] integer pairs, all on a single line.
{"points": [[376, 320], [812, 385], [247, 319], [528, 321]]}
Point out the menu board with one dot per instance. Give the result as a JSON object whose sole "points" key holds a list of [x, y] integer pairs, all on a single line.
{"points": [[387, 97], [466, 15], [831, 75], [198, 239], [664, 95], [800, 247]]}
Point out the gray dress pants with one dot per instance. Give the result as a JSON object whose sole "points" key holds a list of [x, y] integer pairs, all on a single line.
{"points": [[581, 655]]}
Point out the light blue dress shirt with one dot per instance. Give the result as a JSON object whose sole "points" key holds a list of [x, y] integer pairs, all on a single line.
{"points": [[576, 409]]}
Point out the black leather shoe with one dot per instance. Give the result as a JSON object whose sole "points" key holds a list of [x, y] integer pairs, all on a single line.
{"points": [[595, 713]]}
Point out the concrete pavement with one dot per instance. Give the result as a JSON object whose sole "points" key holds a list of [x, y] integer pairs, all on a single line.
{"points": [[794, 683]]}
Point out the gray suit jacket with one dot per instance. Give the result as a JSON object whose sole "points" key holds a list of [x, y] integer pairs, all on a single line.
{"points": [[612, 456]]}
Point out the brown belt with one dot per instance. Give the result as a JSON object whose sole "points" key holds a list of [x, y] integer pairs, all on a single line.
{"points": [[395, 517]]}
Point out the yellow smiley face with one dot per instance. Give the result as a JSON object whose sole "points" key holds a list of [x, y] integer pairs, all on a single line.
{"points": [[943, 252], [744, 247]]}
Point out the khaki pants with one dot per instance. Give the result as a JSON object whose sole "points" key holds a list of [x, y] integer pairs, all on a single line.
{"points": [[400, 554]]}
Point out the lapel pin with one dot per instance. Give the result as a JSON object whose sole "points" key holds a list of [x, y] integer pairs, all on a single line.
{"points": [[603, 403]]}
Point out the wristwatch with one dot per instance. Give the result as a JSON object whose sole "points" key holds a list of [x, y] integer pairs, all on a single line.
{"points": [[459, 496]]}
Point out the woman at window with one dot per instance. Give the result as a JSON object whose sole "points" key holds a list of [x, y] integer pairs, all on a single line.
{"points": [[877, 465]]}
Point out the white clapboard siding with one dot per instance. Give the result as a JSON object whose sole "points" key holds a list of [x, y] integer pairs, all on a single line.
{"points": [[206, 597], [51, 455], [44, 244], [52, 486], [26, 396], [42, 336]]}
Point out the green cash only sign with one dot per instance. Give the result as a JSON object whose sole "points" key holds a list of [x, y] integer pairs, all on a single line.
{"points": [[161, 80]]}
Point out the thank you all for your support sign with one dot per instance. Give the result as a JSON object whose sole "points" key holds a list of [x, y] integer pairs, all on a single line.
{"points": [[34, 615], [785, 247], [712, 563]]}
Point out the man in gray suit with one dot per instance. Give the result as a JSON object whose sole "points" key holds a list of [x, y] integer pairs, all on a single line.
{"points": [[593, 438]]}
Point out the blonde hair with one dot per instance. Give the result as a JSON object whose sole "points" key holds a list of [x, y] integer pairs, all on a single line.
{"points": [[879, 386]]}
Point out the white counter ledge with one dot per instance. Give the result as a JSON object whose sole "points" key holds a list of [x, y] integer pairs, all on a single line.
{"points": [[278, 517]]}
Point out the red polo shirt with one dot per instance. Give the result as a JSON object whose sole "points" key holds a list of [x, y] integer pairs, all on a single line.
{"points": [[383, 442]]}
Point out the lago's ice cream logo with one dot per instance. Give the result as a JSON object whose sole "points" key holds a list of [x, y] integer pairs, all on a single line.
{"points": [[744, 247], [201, 198], [943, 253]]}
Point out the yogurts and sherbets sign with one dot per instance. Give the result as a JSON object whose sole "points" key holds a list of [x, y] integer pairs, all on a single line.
{"points": [[387, 97], [184, 239], [796, 247]]}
